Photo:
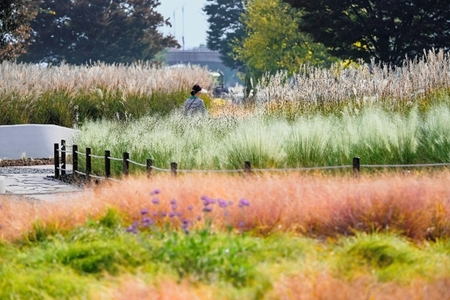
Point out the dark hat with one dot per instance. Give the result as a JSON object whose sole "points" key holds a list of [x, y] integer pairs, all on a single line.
{"points": [[196, 88]]}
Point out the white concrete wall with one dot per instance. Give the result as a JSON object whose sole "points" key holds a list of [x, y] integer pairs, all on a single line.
{"points": [[32, 140]]}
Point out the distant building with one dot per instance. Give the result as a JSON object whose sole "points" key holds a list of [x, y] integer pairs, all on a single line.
{"points": [[204, 57]]}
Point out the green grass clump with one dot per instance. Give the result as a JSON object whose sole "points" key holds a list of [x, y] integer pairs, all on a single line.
{"points": [[373, 134], [73, 263]]}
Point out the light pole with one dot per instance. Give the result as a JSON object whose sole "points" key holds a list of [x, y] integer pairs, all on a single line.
{"points": [[182, 12], [174, 24]]}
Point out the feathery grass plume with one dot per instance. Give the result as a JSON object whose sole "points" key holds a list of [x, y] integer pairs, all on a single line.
{"points": [[67, 94], [359, 86], [225, 142]]}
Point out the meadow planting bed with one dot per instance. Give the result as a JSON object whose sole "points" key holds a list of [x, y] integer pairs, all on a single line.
{"points": [[227, 237], [284, 234]]}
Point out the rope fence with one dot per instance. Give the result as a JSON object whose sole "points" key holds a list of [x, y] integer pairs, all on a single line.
{"points": [[60, 158]]}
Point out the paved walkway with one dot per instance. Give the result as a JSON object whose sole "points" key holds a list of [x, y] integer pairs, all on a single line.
{"points": [[38, 186]]}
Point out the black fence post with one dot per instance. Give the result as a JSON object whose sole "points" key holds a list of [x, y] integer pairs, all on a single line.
{"points": [[149, 167], [63, 157], [247, 168], [107, 164], [356, 167], [88, 163], [74, 161], [126, 164], [56, 159], [173, 168]]}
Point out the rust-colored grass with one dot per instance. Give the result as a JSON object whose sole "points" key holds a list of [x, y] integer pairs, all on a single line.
{"points": [[415, 205], [301, 286]]}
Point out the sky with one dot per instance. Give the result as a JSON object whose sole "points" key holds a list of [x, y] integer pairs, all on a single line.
{"points": [[192, 22]]}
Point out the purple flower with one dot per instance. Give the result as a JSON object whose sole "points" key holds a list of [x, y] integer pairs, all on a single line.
{"points": [[190, 207], [155, 213], [155, 192], [207, 209], [155, 201], [222, 203], [243, 202], [179, 214], [163, 214], [144, 211], [133, 227], [199, 218], [147, 221], [174, 206], [173, 202], [172, 214]]}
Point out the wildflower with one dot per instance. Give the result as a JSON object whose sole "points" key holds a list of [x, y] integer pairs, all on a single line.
{"points": [[207, 200], [172, 214], [144, 211], [190, 207], [155, 213], [155, 192], [222, 203], [147, 221], [173, 202], [163, 214], [207, 209], [155, 201], [174, 207], [244, 202], [133, 228], [199, 218]]}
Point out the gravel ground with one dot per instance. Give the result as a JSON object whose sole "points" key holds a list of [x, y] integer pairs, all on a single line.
{"points": [[11, 166]]}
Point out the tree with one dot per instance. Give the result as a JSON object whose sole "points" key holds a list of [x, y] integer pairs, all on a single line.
{"points": [[15, 17], [111, 31], [225, 28], [273, 42], [387, 31]]}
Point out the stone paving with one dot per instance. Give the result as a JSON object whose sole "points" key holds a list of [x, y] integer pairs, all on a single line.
{"points": [[39, 186]]}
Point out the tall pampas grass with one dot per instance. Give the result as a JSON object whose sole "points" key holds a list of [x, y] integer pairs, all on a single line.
{"points": [[361, 85]]}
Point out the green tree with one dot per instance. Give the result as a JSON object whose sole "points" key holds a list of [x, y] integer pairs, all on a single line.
{"points": [[387, 31], [225, 28], [15, 30], [111, 31], [274, 42]]}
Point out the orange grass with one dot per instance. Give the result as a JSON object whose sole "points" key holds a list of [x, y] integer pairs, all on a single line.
{"points": [[415, 205], [324, 286], [301, 286]]}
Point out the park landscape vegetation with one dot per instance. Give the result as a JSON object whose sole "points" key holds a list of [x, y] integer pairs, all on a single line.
{"points": [[288, 230]]}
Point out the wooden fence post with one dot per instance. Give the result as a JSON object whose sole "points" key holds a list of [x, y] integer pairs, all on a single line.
{"points": [[74, 161], [88, 163], [63, 157], [107, 164], [356, 167], [173, 168], [149, 167], [247, 168], [56, 159], [126, 163]]}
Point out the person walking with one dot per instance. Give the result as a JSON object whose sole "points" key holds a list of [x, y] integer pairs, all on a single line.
{"points": [[194, 104]]}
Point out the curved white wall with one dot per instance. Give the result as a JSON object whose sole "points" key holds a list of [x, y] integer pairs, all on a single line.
{"points": [[32, 140]]}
